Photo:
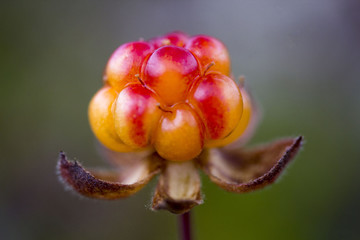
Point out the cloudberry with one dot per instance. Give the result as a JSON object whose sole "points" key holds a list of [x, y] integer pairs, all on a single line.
{"points": [[172, 93]]}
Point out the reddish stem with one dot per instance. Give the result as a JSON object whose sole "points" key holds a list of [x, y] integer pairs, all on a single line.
{"points": [[184, 221]]}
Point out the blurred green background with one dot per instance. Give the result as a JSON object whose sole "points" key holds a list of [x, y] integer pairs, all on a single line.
{"points": [[301, 60]]}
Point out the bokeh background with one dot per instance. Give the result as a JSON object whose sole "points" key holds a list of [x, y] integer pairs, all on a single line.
{"points": [[300, 58]]}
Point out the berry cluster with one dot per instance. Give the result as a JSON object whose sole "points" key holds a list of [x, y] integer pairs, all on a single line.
{"points": [[171, 93]]}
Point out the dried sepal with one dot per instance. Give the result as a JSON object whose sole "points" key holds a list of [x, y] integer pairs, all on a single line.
{"points": [[247, 170], [178, 189], [105, 184]]}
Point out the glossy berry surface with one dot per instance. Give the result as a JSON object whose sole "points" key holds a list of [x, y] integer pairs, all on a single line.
{"points": [[210, 50], [173, 94], [219, 102], [179, 135], [125, 63], [170, 71]]}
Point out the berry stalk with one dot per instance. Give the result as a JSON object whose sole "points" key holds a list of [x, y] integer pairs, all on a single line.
{"points": [[184, 221]]}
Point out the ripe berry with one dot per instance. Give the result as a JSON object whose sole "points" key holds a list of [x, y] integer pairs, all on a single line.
{"points": [[136, 113], [241, 126], [210, 50], [169, 72], [219, 103], [175, 38], [172, 94], [102, 120], [125, 63], [179, 135]]}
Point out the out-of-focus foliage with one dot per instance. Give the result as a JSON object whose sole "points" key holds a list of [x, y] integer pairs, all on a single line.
{"points": [[301, 59]]}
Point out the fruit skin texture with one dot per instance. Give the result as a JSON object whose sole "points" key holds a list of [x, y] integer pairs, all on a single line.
{"points": [[174, 38], [125, 63], [210, 50], [241, 126], [135, 115], [219, 102], [172, 94], [102, 120], [170, 71], [179, 136]]}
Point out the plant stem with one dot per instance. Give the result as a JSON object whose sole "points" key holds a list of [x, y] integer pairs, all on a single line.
{"points": [[184, 221]]}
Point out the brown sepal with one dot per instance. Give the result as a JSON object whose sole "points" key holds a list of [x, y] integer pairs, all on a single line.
{"points": [[248, 170], [102, 184]]}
